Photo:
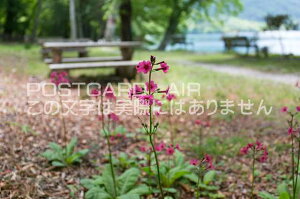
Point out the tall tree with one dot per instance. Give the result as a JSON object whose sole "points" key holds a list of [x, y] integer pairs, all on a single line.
{"points": [[11, 17], [36, 20], [73, 19], [125, 16], [180, 7]]}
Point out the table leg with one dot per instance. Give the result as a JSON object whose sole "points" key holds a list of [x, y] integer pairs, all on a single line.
{"points": [[127, 71], [56, 56]]}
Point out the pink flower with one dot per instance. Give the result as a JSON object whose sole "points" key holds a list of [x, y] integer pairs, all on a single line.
{"points": [[206, 124], [264, 156], [290, 131], [144, 67], [250, 145], [164, 67], [259, 145], [194, 162], [59, 77], [143, 149], [112, 138], [284, 109], [136, 90], [170, 151], [146, 99], [109, 93], [158, 102], [177, 147], [161, 146], [208, 160], [244, 150], [157, 113], [170, 97], [198, 122], [113, 117], [298, 108], [152, 86], [95, 92]]}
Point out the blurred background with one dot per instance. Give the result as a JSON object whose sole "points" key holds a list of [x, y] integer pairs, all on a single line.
{"points": [[196, 25]]}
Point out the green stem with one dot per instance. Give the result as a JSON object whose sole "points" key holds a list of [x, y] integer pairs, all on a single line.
{"points": [[297, 169], [293, 157], [65, 140], [157, 167], [111, 165], [150, 133], [253, 175], [109, 148], [198, 183]]}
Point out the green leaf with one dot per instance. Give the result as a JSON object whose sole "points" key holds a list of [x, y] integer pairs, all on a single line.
{"points": [[283, 191], [87, 183], [108, 180], [192, 177], [179, 158], [266, 195], [170, 190], [97, 193], [175, 174], [129, 196], [58, 164], [140, 190], [55, 147], [71, 146], [128, 179], [75, 157], [209, 177]]}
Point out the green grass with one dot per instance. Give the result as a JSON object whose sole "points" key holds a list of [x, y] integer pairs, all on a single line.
{"points": [[213, 85], [274, 63]]}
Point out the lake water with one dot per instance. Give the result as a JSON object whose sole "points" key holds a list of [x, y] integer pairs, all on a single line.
{"points": [[278, 42]]}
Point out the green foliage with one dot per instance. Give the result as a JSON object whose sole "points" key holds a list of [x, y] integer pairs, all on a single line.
{"points": [[220, 146], [282, 192], [62, 157], [125, 161], [101, 187], [206, 184]]}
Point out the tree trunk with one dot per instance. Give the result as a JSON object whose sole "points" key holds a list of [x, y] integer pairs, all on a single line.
{"points": [[172, 26], [10, 18], [36, 20], [125, 15], [73, 20]]}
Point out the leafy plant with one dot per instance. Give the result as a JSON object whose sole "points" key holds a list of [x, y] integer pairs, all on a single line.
{"points": [[205, 185], [282, 192], [62, 157], [102, 187]]}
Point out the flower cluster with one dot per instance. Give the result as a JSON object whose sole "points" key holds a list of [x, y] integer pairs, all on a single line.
{"points": [[162, 147], [206, 161], [146, 94], [202, 123], [58, 78], [118, 136], [292, 130], [257, 148]]}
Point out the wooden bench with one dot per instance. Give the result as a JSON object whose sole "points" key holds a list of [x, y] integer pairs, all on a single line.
{"points": [[45, 52], [238, 41], [85, 59], [125, 69], [123, 64]]}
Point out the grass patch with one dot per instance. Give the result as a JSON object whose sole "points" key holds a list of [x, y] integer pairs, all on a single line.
{"points": [[274, 63]]}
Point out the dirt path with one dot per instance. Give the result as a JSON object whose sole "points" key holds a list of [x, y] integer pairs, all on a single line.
{"points": [[290, 79]]}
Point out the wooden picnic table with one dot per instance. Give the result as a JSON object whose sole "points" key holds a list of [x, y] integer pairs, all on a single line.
{"points": [[123, 63]]}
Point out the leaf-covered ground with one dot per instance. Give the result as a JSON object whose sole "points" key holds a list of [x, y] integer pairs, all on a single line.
{"points": [[25, 174]]}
